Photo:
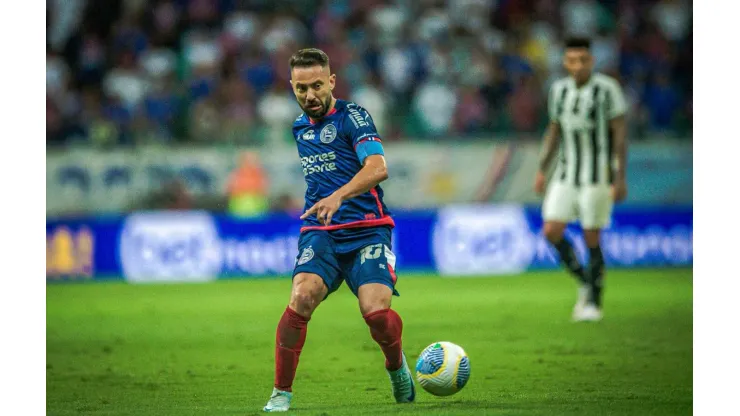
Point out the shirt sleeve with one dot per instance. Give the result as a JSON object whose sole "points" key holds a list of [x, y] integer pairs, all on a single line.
{"points": [[360, 129], [616, 105]]}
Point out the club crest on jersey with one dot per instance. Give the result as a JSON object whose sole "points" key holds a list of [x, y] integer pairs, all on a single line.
{"points": [[309, 135], [328, 134], [306, 256]]}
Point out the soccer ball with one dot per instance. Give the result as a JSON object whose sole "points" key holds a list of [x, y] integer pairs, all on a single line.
{"points": [[443, 368]]}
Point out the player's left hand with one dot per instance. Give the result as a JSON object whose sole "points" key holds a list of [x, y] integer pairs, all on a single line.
{"points": [[619, 190], [324, 209]]}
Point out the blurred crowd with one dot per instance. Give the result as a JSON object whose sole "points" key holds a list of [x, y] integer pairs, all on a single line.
{"points": [[124, 72]]}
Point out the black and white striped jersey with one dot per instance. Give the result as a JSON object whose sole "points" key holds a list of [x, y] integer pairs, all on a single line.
{"points": [[585, 137]]}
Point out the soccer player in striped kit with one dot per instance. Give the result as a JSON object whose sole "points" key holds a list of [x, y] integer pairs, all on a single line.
{"points": [[587, 129]]}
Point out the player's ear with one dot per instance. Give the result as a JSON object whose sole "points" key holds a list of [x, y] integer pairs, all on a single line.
{"points": [[332, 81]]}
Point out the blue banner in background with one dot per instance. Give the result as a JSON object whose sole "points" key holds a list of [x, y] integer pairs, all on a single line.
{"points": [[453, 241]]}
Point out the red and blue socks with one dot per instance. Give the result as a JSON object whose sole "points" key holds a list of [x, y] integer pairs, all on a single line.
{"points": [[386, 328]]}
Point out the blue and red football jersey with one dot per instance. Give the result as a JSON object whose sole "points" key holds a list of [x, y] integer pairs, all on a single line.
{"points": [[332, 151]]}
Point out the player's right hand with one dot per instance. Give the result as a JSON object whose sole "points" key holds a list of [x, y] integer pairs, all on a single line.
{"points": [[539, 182], [324, 209], [619, 190]]}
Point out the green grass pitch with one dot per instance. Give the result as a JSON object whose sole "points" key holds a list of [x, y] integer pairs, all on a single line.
{"points": [[207, 349]]}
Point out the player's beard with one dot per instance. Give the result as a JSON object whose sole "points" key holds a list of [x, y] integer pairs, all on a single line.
{"points": [[321, 112]]}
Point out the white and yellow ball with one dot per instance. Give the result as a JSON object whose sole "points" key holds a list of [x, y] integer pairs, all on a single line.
{"points": [[443, 368]]}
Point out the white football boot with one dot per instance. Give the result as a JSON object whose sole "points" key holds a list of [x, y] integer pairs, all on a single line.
{"points": [[589, 313], [279, 401], [402, 383], [580, 301]]}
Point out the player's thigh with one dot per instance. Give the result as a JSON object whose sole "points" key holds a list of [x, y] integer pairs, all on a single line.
{"points": [[595, 207], [561, 203], [317, 256], [554, 230], [373, 264]]}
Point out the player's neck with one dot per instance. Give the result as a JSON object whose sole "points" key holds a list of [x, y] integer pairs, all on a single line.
{"points": [[331, 104], [585, 81]]}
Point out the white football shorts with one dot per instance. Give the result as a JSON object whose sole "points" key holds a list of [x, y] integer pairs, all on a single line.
{"points": [[590, 205]]}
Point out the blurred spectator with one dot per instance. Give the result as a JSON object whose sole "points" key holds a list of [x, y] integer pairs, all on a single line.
{"points": [[580, 17], [100, 131], [286, 204], [65, 18], [126, 83], [91, 59], [57, 74], [164, 21], [434, 107], [605, 49], [278, 109], [525, 105], [205, 121], [173, 195], [237, 109], [398, 65], [673, 17], [54, 126], [247, 188], [662, 101], [472, 111], [161, 107], [512, 62], [258, 72], [373, 99]]}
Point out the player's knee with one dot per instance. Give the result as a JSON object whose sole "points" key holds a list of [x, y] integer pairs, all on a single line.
{"points": [[308, 291], [374, 297], [553, 232], [592, 238], [303, 303], [374, 305]]}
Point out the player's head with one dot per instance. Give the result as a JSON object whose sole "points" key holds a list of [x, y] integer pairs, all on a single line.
{"points": [[312, 81], [577, 59]]}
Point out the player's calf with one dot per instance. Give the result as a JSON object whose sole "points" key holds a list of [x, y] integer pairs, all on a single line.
{"points": [[384, 323], [595, 275], [569, 260], [289, 341], [595, 268], [386, 328], [307, 292], [554, 232]]}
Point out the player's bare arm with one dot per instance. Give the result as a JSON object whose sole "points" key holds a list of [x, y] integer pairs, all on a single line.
{"points": [[373, 172], [619, 147], [551, 141]]}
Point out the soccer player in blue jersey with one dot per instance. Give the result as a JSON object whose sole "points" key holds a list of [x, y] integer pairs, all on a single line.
{"points": [[346, 234]]}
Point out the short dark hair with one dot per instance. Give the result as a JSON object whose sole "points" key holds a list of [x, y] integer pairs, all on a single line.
{"points": [[578, 42], [309, 57]]}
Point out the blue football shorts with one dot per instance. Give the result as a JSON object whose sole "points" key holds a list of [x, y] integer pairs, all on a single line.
{"points": [[357, 258]]}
